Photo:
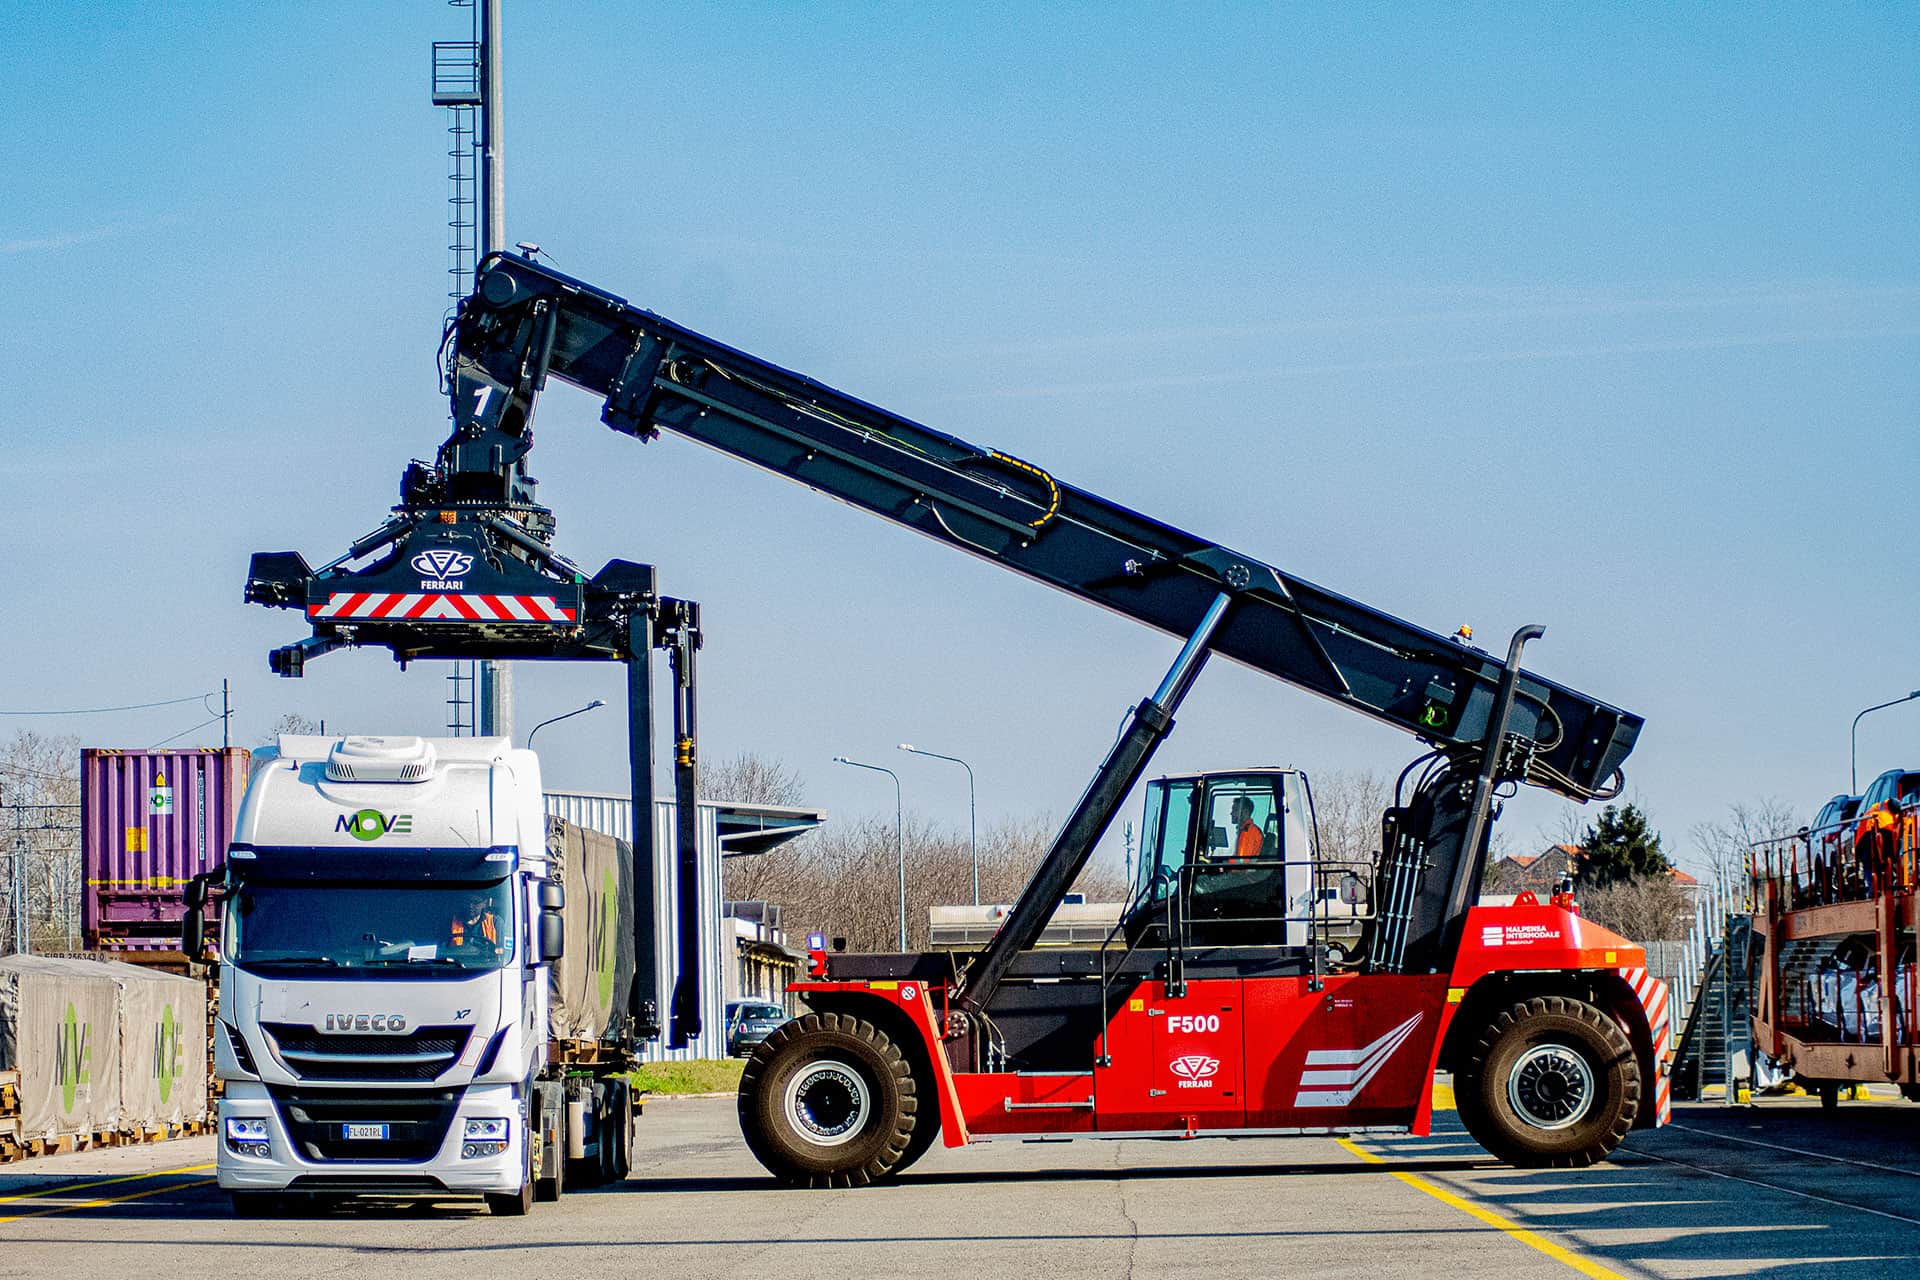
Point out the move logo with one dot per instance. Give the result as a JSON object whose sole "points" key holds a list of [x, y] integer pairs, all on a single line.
{"points": [[371, 824], [72, 1058], [169, 1053], [604, 913], [1196, 1070]]}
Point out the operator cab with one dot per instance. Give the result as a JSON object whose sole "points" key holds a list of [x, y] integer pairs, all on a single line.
{"points": [[1232, 859]]}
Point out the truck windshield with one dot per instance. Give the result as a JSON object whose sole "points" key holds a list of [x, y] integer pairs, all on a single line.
{"points": [[395, 929]]}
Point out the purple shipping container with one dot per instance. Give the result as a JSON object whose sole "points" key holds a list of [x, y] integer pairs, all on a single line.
{"points": [[149, 822]]}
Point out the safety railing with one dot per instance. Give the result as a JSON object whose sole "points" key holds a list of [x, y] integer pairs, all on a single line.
{"points": [[1854, 860]]}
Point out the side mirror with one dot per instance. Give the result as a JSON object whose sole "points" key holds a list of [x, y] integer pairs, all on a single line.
{"points": [[1352, 891], [195, 894], [193, 932], [552, 937], [553, 895]]}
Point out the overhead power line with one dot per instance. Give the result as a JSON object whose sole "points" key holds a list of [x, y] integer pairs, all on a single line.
{"points": [[131, 706]]}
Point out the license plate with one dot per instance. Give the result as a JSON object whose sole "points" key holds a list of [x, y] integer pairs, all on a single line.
{"points": [[375, 1131]]}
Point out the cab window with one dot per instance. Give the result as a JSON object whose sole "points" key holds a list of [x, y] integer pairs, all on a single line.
{"points": [[1243, 820]]}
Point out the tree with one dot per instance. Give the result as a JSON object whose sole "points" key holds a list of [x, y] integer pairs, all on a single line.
{"points": [[40, 787], [1620, 846], [1726, 843], [1650, 909], [1347, 807], [292, 722], [752, 779]]}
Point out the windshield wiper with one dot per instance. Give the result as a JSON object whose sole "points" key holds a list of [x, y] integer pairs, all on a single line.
{"points": [[406, 963], [260, 960]]}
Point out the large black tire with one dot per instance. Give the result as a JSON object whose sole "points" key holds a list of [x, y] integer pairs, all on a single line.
{"points": [[516, 1204], [550, 1189], [828, 1101], [1550, 1083], [621, 1160], [926, 1128]]}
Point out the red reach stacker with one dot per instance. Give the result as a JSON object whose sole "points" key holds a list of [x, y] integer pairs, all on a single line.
{"points": [[1249, 987]]}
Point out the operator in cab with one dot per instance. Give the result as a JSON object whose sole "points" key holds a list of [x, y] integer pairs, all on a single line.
{"points": [[476, 925], [1247, 837]]}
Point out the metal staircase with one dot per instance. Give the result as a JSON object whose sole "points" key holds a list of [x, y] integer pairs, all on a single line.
{"points": [[1717, 1002]]}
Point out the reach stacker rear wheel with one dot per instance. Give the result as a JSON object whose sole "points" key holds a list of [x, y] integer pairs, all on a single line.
{"points": [[1551, 1083], [828, 1101]]}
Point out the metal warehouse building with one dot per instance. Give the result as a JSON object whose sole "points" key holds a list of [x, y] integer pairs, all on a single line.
{"points": [[727, 830]]}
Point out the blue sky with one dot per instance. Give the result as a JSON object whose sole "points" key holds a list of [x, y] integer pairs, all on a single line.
{"points": [[1604, 318]]}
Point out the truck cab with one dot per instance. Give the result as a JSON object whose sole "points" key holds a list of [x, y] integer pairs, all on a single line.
{"points": [[389, 919]]}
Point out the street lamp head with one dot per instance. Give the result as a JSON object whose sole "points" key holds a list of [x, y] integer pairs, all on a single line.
{"points": [[841, 760], [906, 746], [597, 702]]}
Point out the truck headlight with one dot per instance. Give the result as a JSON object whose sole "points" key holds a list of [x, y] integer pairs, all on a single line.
{"points": [[483, 1136], [247, 1136]]}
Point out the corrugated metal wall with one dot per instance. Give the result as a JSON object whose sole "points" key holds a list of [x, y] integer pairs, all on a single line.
{"points": [[149, 821], [614, 815]]}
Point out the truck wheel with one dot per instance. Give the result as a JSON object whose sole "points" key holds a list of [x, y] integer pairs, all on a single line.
{"points": [[516, 1204], [828, 1101], [619, 1131], [1552, 1083], [553, 1188]]}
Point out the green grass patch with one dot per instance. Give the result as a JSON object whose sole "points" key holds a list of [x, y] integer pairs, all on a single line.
{"points": [[703, 1075]]}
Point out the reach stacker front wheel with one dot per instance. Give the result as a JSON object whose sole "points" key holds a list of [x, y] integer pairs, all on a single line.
{"points": [[1551, 1083], [828, 1101]]}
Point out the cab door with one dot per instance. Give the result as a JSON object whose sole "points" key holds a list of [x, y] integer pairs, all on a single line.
{"points": [[1174, 1063]]}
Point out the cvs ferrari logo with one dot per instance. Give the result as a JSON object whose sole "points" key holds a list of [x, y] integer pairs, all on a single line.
{"points": [[1196, 1070], [371, 824], [442, 563]]}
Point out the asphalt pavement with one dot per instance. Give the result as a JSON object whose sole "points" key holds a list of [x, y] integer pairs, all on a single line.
{"points": [[1779, 1190]]}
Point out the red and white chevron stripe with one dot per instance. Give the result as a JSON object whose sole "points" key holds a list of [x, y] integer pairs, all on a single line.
{"points": [[440, 606], [1652, 994]]}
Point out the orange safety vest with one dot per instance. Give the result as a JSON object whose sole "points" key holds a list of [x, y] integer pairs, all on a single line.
{"points": [[1248, 847], [487, 929]]}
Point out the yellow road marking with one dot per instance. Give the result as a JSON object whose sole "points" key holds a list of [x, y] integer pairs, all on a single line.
{"points": [[104, 1182], [1442, 1097], [105, 1200], [1531, 1239]]}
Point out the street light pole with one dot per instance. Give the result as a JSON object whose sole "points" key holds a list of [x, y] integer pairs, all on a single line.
{"points": [[899, 837], [577, 711], [973, 832], [1855, 736]]}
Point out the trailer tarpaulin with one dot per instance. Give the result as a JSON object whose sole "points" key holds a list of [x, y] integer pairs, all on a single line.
{"points": [[59, 1027], [163, 1047], [591, 984]]}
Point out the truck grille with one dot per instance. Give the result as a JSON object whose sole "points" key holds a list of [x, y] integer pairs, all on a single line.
{"points": [[416, 1121], [424, 1053]]}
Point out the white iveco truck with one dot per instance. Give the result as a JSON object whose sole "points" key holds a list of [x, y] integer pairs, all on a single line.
{"points": [[399, 1012]]}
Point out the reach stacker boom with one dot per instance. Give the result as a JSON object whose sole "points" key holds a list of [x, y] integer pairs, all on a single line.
{"points": [[1249, 987]]}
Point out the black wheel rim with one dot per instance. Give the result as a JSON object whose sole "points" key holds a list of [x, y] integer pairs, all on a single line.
{"points": [[827, 1103], [1550, 1087]]}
